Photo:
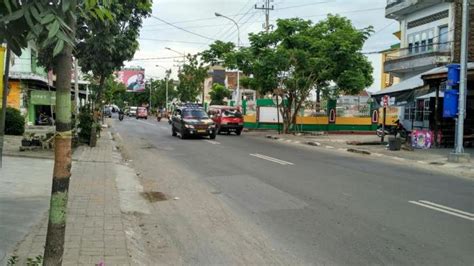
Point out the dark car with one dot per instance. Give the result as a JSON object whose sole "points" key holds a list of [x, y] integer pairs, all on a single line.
{"points": [[192, 121]]}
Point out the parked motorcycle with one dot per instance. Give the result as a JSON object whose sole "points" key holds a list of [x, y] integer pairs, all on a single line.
{"points": [[394, 130], [121, 115]]}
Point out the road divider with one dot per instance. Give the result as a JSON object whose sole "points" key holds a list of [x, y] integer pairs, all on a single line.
{"points": [[445, 209], [271, 159]]}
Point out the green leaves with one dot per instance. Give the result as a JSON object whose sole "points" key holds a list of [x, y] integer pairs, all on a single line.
{"points": [[58, 48]]}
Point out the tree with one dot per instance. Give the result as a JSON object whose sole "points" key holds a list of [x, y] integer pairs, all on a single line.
{"points": [[191, 79], [218, 93], [52, 24], [300, 56], [159, 92], [105, 45]]}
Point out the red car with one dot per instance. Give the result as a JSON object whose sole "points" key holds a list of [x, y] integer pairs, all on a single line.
{"points": [[142, 112], [227, 118]]}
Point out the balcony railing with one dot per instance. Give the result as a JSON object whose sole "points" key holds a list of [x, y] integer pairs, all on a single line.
{"points": [[419, 51]]}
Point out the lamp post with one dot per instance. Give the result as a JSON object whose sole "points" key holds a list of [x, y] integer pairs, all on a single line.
{"points": [[178, 52], [238, 45], [168, 73]]}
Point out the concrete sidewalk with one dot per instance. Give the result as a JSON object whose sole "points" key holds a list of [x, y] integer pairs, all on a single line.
{"points": [[97, 231], [434, 159], [25, 186]]}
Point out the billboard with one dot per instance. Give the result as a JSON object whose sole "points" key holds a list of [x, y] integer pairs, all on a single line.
{"points": [[134, 79]]}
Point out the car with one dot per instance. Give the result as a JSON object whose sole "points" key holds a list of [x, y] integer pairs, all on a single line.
{"points": [[107, 111], [142, 112], [192, 121], [133, 111], [227, 118]]}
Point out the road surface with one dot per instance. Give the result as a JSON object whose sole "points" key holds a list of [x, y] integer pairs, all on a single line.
{"points": [[293, 204]]}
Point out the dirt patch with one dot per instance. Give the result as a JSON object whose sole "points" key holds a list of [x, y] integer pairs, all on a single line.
{"points": [[147, 146], [154, 196]]}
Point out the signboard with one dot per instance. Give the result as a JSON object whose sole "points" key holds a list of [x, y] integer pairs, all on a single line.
{"points": [[133, 79], [277, 99], [268, 114], [43, 97]]}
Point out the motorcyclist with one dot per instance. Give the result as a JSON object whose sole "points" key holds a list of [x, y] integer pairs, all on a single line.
{"points": [[121, 114]]}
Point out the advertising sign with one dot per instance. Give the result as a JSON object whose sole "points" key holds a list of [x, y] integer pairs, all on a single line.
{"points": [[134, 79]]}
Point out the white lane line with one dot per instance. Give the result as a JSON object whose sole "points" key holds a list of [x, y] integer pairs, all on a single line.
{"points": [[329, 147], [271, 159], [146, 123], [212, 142], [419, 203], [447, 208]]}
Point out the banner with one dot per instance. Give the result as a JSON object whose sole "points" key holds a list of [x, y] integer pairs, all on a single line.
{"points": [[2, 63], [134, 79]]}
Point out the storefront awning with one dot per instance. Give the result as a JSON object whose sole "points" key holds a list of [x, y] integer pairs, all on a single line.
{"points": [[409, 84]]}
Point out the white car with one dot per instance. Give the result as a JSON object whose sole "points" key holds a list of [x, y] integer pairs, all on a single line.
{"points": [[133, 111]]}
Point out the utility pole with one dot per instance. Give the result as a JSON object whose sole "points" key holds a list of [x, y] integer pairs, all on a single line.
{"points": [[267, 9], [4, 100], [459, 155]]}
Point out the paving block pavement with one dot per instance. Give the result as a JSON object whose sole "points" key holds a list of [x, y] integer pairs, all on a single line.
{"points": [[95, 230]]}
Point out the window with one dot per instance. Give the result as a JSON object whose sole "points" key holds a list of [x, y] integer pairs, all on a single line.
{"points": [[426, 111], [423, 46], [417, 47], [430, 40], [420, 107], [410, 48], [443, 37]]}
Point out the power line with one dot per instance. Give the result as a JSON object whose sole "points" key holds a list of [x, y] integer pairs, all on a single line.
{"points": [[302, 5], [176, 41], [183, 29], [156, 58]]}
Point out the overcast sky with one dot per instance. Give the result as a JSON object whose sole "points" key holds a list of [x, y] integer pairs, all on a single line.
{"points": [[197, 16]]}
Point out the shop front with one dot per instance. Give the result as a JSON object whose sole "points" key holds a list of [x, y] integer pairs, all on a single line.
{"points": [[41, 107]]}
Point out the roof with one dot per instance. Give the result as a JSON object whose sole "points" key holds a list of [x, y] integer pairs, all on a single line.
{"points": [[416, 81], [409, 84], [444, 69]]}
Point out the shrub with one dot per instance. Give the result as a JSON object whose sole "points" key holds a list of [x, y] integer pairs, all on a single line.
{"points": [[14, 122], [86, 122]]}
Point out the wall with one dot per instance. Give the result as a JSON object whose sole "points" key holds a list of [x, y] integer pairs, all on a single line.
{"points": [[435, 24], [14, 95], [458, 29]]}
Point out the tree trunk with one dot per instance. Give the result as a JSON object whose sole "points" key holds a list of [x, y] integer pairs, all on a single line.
{"points": [[53, 253], [318, 100]]}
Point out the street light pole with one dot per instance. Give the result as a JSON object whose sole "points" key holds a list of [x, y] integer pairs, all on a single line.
{"points": [[168, 73], [459, 154], [238, 46]]}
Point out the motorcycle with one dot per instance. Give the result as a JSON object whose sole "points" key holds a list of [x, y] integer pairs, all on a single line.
{"points": [[121, 115], [158, 117], [394, 130]]}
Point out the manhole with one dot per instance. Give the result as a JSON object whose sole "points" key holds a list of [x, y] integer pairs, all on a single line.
{"points": [[437, 163], [154, 196]]}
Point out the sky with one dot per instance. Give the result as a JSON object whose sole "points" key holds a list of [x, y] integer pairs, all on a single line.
{"points": [[189, 26]]}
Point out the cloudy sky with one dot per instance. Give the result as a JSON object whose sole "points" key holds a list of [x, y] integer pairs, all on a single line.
{"points": [[195, 27]]}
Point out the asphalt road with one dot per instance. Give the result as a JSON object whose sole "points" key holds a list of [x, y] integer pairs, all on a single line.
{"points": [[318, 206]]}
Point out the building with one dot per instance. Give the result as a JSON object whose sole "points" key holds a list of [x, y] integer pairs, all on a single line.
{"points": [[430, 34], [31, 88], [227, 78]]}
